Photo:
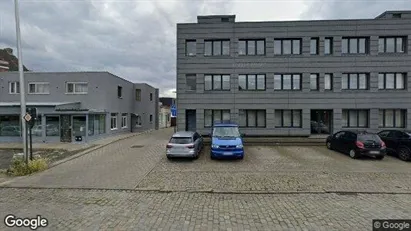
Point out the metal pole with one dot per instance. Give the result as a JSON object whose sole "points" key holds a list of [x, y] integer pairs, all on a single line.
{"points": [[22, 90], [31, 144]]}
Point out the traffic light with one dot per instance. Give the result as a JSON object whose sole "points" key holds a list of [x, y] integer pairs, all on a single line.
{"points": [[32, 111]]}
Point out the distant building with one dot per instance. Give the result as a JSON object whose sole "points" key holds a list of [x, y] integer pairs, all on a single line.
{"points": [[164, 116], [4, 66]]}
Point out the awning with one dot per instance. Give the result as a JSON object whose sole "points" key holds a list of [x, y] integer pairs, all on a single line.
{"points": [[44, 104]]}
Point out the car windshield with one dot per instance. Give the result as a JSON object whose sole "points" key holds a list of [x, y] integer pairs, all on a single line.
{"points": [[369, 137], [180, 140], [226, 132]]}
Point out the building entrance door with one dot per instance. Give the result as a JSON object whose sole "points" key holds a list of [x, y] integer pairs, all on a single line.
{"points": [[191, 120], [321, 121]]}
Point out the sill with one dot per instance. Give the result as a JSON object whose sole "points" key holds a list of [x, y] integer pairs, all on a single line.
{"points": [[392, 53], [354, 90], [287, 90], [289, 127], [76, 93], [38, 93], [391, 128], [213, 91], [392, 90], [355, 54], [14, 93], [247, 90], [355, 127], [124, 127], [287, 55], [190, 55], [120, 97], [218, 56], [244, 55], [252, 127], [113, 129]]}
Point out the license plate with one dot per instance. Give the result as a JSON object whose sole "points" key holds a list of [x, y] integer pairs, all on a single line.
{"points": [[227, 153], [374, 152]]}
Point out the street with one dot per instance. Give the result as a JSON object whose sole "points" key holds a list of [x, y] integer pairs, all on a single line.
{"points": [[130, 185]]}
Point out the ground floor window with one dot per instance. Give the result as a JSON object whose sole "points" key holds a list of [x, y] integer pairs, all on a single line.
{"points": [[252, 118], [113, 124], [10, 125], [288, 118], [355, 118], [151, 118], [96, 124], [52, 126], [124, 120], [211, 116], [37, 129], [79, 125], [138, 121], [392, 118]]}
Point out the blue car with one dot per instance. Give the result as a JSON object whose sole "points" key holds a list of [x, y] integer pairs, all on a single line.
{"points": [[226, 141]]}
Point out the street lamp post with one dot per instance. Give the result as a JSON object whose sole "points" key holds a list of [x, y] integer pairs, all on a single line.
{"points": [[21, 74]]}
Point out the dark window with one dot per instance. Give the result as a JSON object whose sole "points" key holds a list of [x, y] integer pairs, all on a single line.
{"points": [[251, 47], [251, 82], [339, 135], [365, 137], [191, 82], [252, 118], [392, 118], [225, 20], [355, 81], [151, 96], [216, 82], [391, 44], [314, 46], [391, 80], [119, 91], [287, 82], [314, 82], [396, 15], [287, 46], [288, 118], [151, 118], [216, 47], [181, 140], [328, 46], [355, 45], [138, 94], [355, 118], [191, 48], [328, 81], [383, 133], [210, 116]]}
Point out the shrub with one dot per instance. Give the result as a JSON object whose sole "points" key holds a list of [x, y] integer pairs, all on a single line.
{"points": [[19, 168]]}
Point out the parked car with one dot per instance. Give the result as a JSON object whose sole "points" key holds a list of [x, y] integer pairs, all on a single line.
{"points": [[226, 141], [184, 144], [398, 142], [357, 143]]}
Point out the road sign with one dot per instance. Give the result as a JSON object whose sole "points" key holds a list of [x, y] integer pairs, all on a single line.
{"points": [[173, 110], [27, 117]]}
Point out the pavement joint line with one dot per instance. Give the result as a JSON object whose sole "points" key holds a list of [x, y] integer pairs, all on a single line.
{"points": [[348, 193]]}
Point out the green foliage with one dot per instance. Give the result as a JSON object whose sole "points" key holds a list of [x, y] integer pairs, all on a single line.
{"points": [[19, 168]]}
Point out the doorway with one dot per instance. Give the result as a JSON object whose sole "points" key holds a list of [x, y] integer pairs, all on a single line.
{"points": [[191, 120], [65, 131], [321, 121]]}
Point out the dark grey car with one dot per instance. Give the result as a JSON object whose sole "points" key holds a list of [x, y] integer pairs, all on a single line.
{"points": [[184, 144]]}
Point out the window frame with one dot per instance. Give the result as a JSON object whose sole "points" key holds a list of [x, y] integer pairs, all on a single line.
{"points": [[221, 81], [120, 92], [221, 41], [195, 47], [331, 42], [255, 81], [357, 111], [317, 45], [151, 96], [138, 94], [193, 76], [292, 118], [292, 82], [151, 118], [113, 116], [384, 38], [124, 120], [247, 111], [38, 93], [212, 116], [331, 81], [16, 88], [403, 114], [74, 88], [367, 79], [255, 41], [317, 79], [404, 78], [366, 48], [292, 46]]}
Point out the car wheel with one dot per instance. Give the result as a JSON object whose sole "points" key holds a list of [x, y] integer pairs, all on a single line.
{"points": [[169, 157], [196, 155], [329, 145], [241, 157], [379, 157], [353, 154], [212, 157], [404, 154]]}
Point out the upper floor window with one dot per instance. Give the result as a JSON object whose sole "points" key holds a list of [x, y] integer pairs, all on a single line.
{"points": [[391, 81], [191, 82], [314, 46], [314, 83], [216, 47], [288, 118], [138, 94], [355, 45], [328, 46], [39, 88], [392, 118], [14, 87], [328, 81], [391, 45], [287, 46], [251, 82], [191, 48], [252, 118], [216, 82], [251, 47], [354, 81], [76, 88], [119, 91], [355, 118], [151, 96], [397, 15], [210, 116], [287, 82]]}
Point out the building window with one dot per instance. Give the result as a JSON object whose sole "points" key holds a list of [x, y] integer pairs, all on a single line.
{"points": [[288, 118], [138, 94], [119, 92], [392, 118], [328, 81], [396, 15], [251, 47], [191, 82], [314, 82], [151, 118], [124, 120], [355, 118], [39, 88], [355, 81], [151, 96], [216, 82], [287, 46], [328, 46], [252, 118], [53, 126], [287, 82], [113, 124], [391, 44], [251, 82], [211, 116], [191, 48], [216, 47], [355, 45], [76, 88], [314, 46], [10, 125], [14, 87], [391, 81]]}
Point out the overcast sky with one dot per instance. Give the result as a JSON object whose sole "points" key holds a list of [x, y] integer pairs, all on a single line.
{"points": [[136, 39]]}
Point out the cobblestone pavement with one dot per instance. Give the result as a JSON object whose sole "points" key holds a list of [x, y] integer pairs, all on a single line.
{"points": [[72, 209], [119, 165], [283, 169]]}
